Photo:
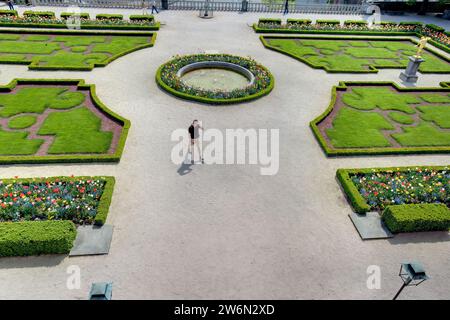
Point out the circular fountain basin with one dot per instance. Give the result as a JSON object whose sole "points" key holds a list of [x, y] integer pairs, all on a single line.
{"points": [[216, 75]]}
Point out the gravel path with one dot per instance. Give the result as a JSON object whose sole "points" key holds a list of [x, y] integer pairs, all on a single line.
{"points": [[223, 232]]}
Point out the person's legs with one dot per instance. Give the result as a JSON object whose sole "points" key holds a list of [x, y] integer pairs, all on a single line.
{"points": [[10, 5], [200, 153]]}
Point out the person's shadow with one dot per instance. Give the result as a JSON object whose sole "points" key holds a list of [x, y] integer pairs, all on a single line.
{"points": [[185, 166], [184, 169]]}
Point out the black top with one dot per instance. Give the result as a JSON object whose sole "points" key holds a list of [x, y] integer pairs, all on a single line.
{"points": [[193, 132]]}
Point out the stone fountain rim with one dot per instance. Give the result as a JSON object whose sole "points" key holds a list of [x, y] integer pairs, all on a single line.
{"points": [[217, 64]]}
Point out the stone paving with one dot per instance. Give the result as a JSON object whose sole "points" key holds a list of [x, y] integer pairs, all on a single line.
{"points": [[225, 231]]}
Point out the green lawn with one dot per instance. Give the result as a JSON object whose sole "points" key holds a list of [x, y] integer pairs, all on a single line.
{"points": [[340, 55], [75, 128], [36, 100], [357, 129], [62, 51], [76, 131]]}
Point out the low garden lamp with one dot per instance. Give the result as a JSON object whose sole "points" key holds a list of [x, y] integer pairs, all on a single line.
{"points": [[101, 291], [412, 274]]}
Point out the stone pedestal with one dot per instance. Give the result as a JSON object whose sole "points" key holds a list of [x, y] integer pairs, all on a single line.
{"points": [[410, 74]]}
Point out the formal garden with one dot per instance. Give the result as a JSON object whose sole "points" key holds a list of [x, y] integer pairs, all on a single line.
{"points": [[387, 119], [63, 50], [57, 121], [334, 54]]}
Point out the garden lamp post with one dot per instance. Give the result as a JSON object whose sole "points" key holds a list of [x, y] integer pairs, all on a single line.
{"points": [[412, 274]]}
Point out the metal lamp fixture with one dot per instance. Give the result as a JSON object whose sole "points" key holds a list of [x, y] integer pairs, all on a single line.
{"points": [[412, 274]]}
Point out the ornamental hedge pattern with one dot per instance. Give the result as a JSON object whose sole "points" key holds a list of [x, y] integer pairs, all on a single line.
{"points": [[68, 145], [384, 114], [167, 78]]}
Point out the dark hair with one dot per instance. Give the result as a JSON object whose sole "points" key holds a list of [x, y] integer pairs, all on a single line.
{"points": [[195, 121]]}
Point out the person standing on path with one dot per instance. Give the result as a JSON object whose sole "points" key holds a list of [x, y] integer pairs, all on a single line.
{"points": [[144, 7], [194, 135], [286, 7], [10, 4], [154, 8]]}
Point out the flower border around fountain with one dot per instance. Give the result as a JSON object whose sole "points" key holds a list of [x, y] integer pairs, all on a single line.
{"points": [[169, 75]]}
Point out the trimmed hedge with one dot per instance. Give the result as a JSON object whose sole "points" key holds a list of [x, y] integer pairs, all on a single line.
{"points": [[410, 23], [136, 17], [270, 20], [332, 152], [356, 200], [36, 237], [83, 15], [42, 14], [298, 21], [358, 22], [328, 21], [417, 217], [115, 157], [435, 27], [9, 13], [104, 16]]}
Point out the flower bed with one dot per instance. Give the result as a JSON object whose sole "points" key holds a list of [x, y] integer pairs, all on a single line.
{"points": [[437, 34], [82, 200], [167, 78], [37, 19], [376, 189]]}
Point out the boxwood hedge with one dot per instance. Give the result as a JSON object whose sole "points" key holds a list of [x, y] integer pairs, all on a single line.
{"points": [[417, 217], [36, 237], [42, 14]]}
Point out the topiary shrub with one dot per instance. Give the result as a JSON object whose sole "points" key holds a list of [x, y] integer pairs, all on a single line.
{"points": [[82, 15], [357, 22], [9, 13], [148, 18], [104, 16], [270, 20], [328, 22], [40, 14], [30, 238], [435, 27], [417, 217]]}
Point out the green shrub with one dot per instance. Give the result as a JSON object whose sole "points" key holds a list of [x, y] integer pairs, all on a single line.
{"points": [[417, 217], [358, 22], [270, 20], [142, 18], [328, 22], [388, 23], [9, 13], [104, 16], [435, 27], [41, 14], [36, 237], [83, 15], [298, 21], [411, 23]]}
